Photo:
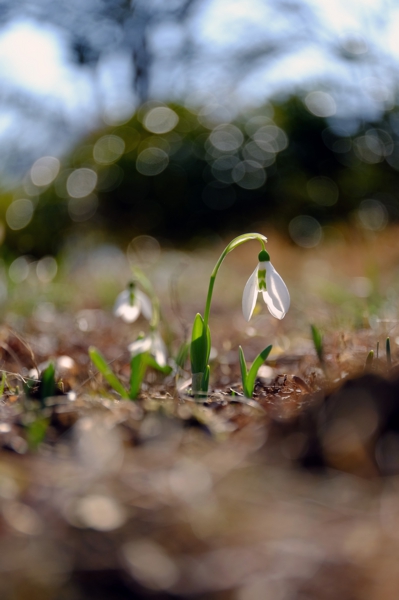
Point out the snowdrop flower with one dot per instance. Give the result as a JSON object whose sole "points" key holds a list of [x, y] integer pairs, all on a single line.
{"points": [[130, 303], [152, 343], [265, 279]]}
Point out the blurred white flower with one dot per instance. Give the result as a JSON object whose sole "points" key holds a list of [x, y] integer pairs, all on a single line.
{"points": [[152, 343], [265, 279], [130, 303]]}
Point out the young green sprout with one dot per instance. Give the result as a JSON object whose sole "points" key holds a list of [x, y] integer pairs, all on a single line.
{"points": [[318, 343], [264, 279], [249, 377], [369, 359]]}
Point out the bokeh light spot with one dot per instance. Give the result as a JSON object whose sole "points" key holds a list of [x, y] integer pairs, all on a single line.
{"points": [[100, 512], [271, 138], [152, 161], [108, 149], [373, 215], [46, 269], [255, 123], [19, 269], [249, 174], [81, 182], [226, 138], [19, 214], [369, 148], [44, 170], [82, 209], [323, 191], [260, 152], [144, 250], [320, 104], [150, 564], [222, 168], [305, 231], [160, 119]]}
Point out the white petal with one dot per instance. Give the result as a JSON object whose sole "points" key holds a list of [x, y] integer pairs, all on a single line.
{"points": [[140, 346], [122, 298], [250, 295], [145, 304], [277, 296], [128, 313], [124, 309], [158, 350]]}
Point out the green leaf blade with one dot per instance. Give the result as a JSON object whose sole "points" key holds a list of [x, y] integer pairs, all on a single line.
{"points": [[103, 367], [151, 362], [253, 371], [318, 342], [48, 381], [196, 344], [137, 371], [200, 345], [243, 367]]}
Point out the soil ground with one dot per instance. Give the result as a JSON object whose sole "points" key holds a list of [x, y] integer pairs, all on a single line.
{"points": [[290, 496]]}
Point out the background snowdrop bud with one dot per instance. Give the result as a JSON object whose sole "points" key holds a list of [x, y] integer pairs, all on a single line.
{"points": [[142, 344], [152, 343], [130, 303]]}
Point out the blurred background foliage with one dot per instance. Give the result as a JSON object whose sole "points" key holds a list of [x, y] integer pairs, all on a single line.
{"points": [[179, 174], [190, 119]]}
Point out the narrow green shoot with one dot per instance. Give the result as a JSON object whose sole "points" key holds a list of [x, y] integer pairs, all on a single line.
{"points": [[137, 373], [48, 384], [318, 343], [249, 377], [388, 352], [101, 364], [369, 359], [378, 349]]}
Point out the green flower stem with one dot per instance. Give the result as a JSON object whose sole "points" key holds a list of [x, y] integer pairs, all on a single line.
{"points": [[241, 239], [147, 287]]}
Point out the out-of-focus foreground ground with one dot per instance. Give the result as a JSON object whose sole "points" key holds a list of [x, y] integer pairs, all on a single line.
{"points": [[293, 496]]}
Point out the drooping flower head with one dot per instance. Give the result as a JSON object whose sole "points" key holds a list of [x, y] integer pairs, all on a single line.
{"points": [[266, 280], [130, 303]]}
